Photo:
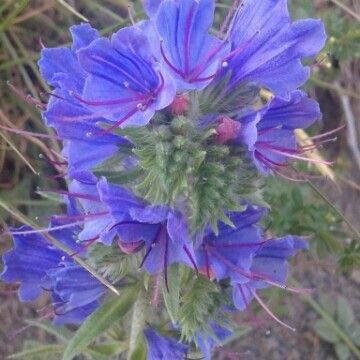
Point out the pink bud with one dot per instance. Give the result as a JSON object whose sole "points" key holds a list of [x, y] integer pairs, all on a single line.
{"points": [[180, 105], [227, 129], [130, 247]]}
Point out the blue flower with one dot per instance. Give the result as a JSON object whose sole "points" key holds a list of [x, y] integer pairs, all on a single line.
{"points": [[207, 343], [163, 348], [125, 83], [230, 253], [191, 54], [29, 260], [74, 123], [269, 267], [269, 133], [267, 47], [37, 266], [163, 232], [75, 293]]}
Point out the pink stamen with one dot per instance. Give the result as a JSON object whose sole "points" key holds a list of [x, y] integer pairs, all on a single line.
{"points": [[186, 47], [41, 231], [168, 62], [243, 245], [156, 291], [268, 311], [118, 123], [243, 295], [109, 102], [207, 263], [82, 217], [28, 133], [290, 153], [73, 194], [338, 129], [229, 15], [27, 98], [88, 242], [204, 78], [54, 163], [156, 239], [126, 74], [166, 262], [241, 47], [188, 253], [199, 69]]}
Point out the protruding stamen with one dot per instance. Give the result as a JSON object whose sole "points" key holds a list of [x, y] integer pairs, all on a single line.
{"points": [[27, 98], [29, 133], [268, 311], [47, 230], [188, 253]]}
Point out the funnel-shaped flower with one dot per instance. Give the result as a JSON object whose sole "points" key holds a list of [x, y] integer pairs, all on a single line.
{"points": [[267, 48], [269, 134]]}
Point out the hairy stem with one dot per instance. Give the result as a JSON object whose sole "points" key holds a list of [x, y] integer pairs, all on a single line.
{"points": [[138, 322]]}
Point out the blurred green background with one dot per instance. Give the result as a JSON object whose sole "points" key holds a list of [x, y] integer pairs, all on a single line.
{"points": [[327, 213]]}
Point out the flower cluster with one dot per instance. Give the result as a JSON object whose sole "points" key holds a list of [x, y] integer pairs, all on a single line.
{"points": [[167, 129]]}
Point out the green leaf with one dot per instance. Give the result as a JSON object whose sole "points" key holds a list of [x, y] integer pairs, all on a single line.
{"points": [[61, 333], [39, 351], [322, 328], [355, 334], [328, 303], [345, 313], [342, 351], [172, 297], [139, 352], [100, 321], [106, 350]]}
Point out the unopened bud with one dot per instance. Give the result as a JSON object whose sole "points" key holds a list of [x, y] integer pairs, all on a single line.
{"points": [[227, 129], [180, 105]]}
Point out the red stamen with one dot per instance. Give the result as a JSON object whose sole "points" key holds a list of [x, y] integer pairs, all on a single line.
{"points": [[109, 102], [29, 133], [72, 194], [268, 311], [188, 253], [27, 98], [168, 62]]}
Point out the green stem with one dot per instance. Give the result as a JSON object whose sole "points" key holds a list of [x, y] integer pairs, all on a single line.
{"points": [[137, 323], [338, 212], [330, 321]]}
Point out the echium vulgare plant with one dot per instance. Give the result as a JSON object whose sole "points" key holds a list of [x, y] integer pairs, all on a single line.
{"points": [[168, 128]]}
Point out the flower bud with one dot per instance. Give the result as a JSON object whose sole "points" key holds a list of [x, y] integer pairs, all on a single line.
{"points": [[227, 129], [180, 105]]}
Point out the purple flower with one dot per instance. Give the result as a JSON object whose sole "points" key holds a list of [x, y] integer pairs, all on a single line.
{"points": [[269, 267], [230, 253], [191, 54], [161, 347], [125, 83], [207, 343], [29, 260], [38, 266], [75, 293], [269, 133], [267, 47], [162, 231], [74, 123]]}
